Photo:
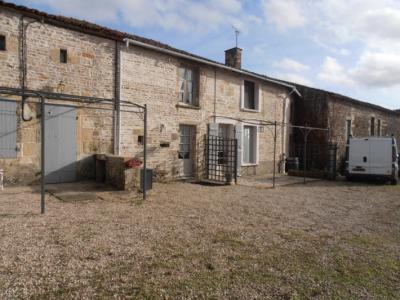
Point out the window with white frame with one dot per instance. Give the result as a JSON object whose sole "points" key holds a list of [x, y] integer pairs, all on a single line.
{"points": [[249, 144], [250, 95], [187, 86]]}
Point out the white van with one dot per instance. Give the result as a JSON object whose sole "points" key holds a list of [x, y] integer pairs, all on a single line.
{"points": [[373, 157]]}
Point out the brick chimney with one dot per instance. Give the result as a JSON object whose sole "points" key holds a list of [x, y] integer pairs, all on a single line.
{"points": [[233, 58]]}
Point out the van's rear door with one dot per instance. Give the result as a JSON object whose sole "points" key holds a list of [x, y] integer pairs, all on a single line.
{"points": [[380, 156], [359, 153]]}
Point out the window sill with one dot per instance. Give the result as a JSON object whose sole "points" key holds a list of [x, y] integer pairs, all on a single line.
{"points": [[249, 164], [189, 106], [250, 110]]}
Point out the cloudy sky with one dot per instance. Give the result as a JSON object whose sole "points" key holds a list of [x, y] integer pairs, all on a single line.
{"points": [[347, 46]]}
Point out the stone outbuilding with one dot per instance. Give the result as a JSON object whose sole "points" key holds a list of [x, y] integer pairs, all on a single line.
{"points": [[343, 116]]}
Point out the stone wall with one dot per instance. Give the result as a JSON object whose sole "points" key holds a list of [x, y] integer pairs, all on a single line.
{"points": [[154, 81], [9, 59], [341, 110], [89, 71], [90, 67]]}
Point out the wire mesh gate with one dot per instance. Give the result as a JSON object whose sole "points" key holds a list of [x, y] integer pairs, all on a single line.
{"points": [[221, 159], [317, 160]]}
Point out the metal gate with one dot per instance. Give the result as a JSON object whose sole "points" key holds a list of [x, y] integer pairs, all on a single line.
{"points": [[220, 159], [318, 160]]}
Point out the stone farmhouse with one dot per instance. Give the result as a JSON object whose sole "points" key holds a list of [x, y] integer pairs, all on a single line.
{"points": [[187, 97]]}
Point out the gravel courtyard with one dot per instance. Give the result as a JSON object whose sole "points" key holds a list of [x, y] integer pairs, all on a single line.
{"points": [[323, 240]]}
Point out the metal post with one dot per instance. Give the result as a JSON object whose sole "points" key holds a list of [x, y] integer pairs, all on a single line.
{"points": [[306, 131], [144, 187], [273, 176], [42, 156], [235, 158]]}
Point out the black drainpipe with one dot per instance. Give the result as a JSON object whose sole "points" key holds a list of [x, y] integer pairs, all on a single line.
{"points": [[117, 96]]}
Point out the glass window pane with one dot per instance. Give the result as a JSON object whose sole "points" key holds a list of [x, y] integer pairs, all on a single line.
{"points": [[189, 98], [249, 144], [249, 95], [188, 74], [181, 73], [189, 86], [246, 149]]}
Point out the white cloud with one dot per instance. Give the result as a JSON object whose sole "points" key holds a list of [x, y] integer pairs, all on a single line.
{"points": [[292, 65], [185, 16], [361, 41], [377, 69], [373, 70], [296, 78], [332, 71], [284, 14], [366, 21], [293, 71]]}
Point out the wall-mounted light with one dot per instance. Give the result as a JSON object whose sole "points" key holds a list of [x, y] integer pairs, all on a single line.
{"points": [[162, 127]]}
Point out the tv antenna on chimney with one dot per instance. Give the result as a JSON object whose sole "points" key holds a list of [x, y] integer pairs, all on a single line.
{"points": [[237, 32]]}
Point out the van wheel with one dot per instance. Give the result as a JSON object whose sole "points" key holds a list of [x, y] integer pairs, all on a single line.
{"points": [[349, 178]]}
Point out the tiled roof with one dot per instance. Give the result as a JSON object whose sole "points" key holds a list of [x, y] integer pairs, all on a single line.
{"points": [[301, 89]]}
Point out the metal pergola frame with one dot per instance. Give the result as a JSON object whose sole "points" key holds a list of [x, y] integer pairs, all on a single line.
{"points": [[305, 130], [42, 96]]}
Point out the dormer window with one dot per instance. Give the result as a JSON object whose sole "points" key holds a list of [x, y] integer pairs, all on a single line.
{"points": [[3, 43]]}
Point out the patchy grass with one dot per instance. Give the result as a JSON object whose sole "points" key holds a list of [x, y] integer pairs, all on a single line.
{"points": [[319, 241]]}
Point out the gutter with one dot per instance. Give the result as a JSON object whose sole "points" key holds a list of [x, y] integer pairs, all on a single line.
{"points": [[284, 131], [117, 98], [129, 41]]}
